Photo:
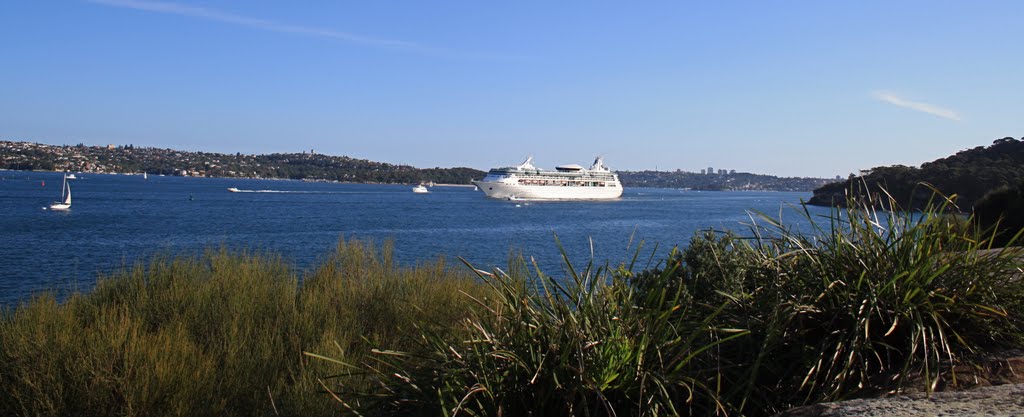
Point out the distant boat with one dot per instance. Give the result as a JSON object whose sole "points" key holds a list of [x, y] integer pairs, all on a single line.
{"points": [[145, 176], [420, 189], [65, 197], [234, 190], [71, 177]]}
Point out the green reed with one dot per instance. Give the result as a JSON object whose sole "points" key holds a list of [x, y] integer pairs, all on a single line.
{"points": [[868, 301], [588, 344]]}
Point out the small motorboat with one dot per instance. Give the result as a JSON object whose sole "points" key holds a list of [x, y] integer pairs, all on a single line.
{"points": [[420, 189]]}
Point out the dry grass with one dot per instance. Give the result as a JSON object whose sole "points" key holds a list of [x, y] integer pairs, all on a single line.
{"points": [[221, 334]]}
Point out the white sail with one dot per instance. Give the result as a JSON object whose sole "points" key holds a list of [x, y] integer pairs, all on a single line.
{"points": [[65, 195]]}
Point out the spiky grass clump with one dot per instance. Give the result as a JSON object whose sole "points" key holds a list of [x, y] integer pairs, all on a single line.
{"points": [[592, 346], [867, 301]]}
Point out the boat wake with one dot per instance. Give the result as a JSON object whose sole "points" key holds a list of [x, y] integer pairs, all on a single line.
{"points": [[260, 191], [236, 190]]}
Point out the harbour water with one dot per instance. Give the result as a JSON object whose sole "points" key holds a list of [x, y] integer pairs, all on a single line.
{"points": [[118, 220]]}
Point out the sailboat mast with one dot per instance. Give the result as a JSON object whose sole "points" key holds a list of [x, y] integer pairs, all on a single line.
{"points": [[67, 200], [65, 191]]}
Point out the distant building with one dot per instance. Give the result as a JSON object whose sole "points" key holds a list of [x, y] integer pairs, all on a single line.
{"points": [[721, 172], [703, 171], [732, 172], [711, 170]]}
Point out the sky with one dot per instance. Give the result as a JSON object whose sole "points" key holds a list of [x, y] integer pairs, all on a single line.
{"points": [[789, 88]]}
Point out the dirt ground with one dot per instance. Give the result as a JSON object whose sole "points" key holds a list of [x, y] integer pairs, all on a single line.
{"points": [[996, 388]]}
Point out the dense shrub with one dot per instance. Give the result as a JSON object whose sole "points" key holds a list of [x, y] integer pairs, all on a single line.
{"points": [[969, 174], [1001, 213], [221, 334]]}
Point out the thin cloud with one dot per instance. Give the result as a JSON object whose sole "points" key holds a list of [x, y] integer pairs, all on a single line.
{"points": [[263, 24], [916, 105]]}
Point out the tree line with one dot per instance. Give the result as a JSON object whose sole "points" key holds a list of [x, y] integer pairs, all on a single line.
{"points": [[987, 182]]}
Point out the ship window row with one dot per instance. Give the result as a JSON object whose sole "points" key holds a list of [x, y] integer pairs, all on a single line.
{"points": [[565, 183], [570, 177], [553, 175]]}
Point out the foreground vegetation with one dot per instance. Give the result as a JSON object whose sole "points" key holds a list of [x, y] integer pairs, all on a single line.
{"points": [[222, 334], [866, 303]]}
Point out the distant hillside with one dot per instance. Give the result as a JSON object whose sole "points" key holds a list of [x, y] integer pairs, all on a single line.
{"points": [[313, 166], [969, 174], [735, 181], [297, 166]]}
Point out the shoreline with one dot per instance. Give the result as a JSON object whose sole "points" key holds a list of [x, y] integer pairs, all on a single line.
{"points": [[384, 183]]}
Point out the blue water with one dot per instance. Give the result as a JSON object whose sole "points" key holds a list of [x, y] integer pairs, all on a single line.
{"points": [[117, 220]]}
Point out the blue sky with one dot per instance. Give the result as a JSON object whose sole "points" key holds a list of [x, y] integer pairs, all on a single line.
{"points": [[791, 88]]}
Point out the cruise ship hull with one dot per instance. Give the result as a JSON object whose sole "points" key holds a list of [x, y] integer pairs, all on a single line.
{"points": [[504, 190]]}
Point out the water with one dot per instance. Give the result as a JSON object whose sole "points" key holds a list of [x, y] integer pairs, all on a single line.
{"points": [[117, 220]]}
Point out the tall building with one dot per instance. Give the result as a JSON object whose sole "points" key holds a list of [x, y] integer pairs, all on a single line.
{"points": [[711, 170]]}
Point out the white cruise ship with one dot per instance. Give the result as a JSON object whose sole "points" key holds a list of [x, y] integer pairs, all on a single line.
{"points": [[566, 182]]}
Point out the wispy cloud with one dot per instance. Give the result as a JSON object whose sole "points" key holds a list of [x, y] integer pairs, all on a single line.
{"points": [[893, 99], [269, 25]]}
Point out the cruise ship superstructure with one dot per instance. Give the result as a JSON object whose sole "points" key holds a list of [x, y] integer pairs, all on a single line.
{"points": [[566, 182]]}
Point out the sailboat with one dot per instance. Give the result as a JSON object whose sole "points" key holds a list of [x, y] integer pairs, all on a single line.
{"points": [[145, 176], [65, 195]]}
